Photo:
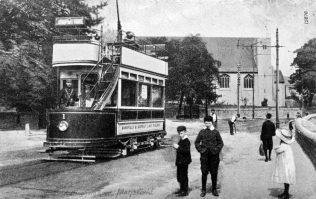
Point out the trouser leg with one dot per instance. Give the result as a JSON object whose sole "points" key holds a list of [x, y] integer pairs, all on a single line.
{"points": [[204, 169], [214, 163], [265, 147], [231, 127], [185, 179], [286, 188], [204, 180]]}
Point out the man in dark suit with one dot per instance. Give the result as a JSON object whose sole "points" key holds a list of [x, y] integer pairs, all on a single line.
{"points": [[67, 96], [267, 132]]}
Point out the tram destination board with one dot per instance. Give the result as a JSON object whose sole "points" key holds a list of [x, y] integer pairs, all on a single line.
{"points": [[127, 128]]}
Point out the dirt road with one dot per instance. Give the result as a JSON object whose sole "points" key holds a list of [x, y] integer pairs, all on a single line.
{"points": [[242, 174]]}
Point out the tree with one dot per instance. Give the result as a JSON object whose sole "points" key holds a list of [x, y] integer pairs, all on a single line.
{"points": [[28, 82], [304, 77], [192, 71]]}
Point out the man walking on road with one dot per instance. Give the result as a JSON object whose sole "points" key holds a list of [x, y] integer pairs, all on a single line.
{"points": [[214, 116], [232, 125], [209, 144], [267, 132]]}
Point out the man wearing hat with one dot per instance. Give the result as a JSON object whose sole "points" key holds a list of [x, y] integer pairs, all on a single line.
{"points": [[267, 132], [67, 95]]}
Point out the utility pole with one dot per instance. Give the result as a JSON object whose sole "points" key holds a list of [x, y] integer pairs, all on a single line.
{"points": [[238, 85], [277, 46], [277, 80]]}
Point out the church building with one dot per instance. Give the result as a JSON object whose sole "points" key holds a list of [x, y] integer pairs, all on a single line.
{"points": [[249, 60]]}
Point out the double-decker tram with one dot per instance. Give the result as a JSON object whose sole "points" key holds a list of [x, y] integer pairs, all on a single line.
{"points": [[115, 104]]}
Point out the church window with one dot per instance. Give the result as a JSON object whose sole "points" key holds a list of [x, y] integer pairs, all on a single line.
{"points": [[224, 81], [248, 81]]}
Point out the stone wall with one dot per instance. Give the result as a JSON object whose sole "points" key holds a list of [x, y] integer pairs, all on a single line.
{"points": [[14, 120], [306, 136], [225, 113]]}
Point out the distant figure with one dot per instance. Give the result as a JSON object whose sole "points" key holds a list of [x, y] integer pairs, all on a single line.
{"points": [[209, 144], [183, 159], [284, 168], [67, 96], [306, 113], [298, 115], [267, 132], [232, 125], [214, 116]]}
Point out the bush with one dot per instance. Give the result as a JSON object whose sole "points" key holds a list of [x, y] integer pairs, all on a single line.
{"points": [[264, 103]]}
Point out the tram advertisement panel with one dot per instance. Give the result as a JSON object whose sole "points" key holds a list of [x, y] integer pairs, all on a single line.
{"points": [[128, 128]]}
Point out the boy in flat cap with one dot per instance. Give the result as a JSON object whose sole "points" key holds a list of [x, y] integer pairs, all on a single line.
{"points": [[209, 144], [183, 159]]}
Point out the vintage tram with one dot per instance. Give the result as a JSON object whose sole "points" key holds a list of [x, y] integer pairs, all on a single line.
{"points": [[120, 88]]}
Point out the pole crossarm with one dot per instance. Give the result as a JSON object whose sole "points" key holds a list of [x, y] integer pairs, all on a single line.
{"points": [[277, 46]]}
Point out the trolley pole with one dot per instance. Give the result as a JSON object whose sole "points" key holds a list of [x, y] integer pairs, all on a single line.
{"points": [[277, 80], [238, 85]]}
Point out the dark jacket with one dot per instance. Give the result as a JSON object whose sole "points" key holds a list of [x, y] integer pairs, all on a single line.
{"points": [[67, 97], [183, 152], [209, 140], [268, 130]]}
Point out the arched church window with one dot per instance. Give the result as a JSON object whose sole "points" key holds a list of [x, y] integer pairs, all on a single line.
{"points": [[248, 81], [224, 81]]}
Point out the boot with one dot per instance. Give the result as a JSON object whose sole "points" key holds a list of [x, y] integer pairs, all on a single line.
{"points": [[286, 196], [203, 193], [214, 192], [281, 195]]}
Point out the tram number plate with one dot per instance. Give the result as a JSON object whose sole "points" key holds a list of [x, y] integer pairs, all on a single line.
{"points": [[139, 127]]}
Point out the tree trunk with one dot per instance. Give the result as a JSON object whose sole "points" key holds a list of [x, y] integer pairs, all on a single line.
{"points": [[206, 107], [180, 104]]}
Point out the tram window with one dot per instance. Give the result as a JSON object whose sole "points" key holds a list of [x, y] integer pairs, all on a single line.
{"points": [[157, 96], [157, 114], [148, 79], [113, 99], [88, 89], [155, 81], [74, 86], [128, 93], [128, 115], [133, 76], [143, 95], [140, 78], [160, 82], [144, 114], [125, 74]]}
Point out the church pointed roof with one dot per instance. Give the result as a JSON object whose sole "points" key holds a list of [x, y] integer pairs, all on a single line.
{"points": [[225, 50]]}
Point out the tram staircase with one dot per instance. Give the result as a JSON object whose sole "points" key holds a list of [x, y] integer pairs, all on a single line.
{"points": [[108, 80], [107, 83]]}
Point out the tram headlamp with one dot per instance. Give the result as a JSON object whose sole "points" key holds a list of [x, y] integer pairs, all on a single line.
{"points": [[63, 125]]}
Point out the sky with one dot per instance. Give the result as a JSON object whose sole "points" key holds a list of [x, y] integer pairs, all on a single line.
{"points": [[295, 20]]}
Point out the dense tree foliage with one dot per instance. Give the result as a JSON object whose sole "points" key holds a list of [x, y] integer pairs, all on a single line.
{"points": [[192, 71], [304, 78], [26, 32]]}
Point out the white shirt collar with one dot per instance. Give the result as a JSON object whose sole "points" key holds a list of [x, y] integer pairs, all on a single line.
{"points": [[211, 128]]}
